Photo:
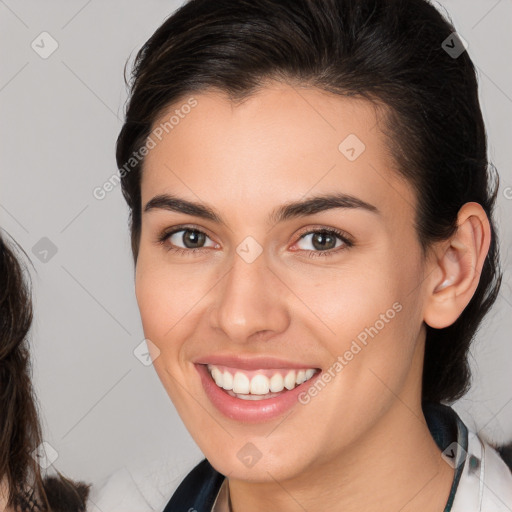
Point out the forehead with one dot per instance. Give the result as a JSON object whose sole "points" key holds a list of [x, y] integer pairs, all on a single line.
{"points": [[280, 143]]}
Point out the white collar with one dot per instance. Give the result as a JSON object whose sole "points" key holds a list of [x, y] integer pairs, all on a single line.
{"points": [[485, 484]]}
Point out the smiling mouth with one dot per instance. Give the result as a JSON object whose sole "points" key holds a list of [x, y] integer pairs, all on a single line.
{"points": [[260, 384]]}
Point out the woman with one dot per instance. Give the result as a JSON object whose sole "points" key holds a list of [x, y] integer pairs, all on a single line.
{"points": [[311, 221], [23, 487]]}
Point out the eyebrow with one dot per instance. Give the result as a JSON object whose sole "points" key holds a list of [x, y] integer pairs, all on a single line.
{"points": [[287, 211]]}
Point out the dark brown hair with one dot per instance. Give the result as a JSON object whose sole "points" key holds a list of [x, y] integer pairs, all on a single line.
{"points": [[20, 431], [388, 51]]}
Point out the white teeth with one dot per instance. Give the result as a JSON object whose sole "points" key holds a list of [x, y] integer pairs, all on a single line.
{"points": [[241, 383], [276, 383], [253, 397], [260, 384], [310, 373], [289, 380], [301, 377], [227, 382], [217, 376]]}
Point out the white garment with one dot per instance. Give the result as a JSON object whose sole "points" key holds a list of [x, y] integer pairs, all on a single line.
{"points": [[486, 481], [140, 488], [485, 484]]}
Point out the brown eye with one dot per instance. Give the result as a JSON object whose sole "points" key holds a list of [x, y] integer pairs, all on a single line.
{"points": [[322, 240], [185, 240], [191, 238]]}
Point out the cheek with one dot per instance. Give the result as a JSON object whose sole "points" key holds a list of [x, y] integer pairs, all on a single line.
{"points": [[162, 305], [165, 296], [152, 300], [344, 299], [369, 314]]}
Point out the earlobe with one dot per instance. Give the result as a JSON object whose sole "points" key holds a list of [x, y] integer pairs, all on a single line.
{"points": [[457, 267]]}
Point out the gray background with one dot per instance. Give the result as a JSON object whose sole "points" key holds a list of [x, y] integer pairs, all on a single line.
{"points": [[60, 117]]}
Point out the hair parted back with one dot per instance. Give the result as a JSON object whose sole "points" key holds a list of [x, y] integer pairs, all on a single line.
{"points": [[387, 51]]}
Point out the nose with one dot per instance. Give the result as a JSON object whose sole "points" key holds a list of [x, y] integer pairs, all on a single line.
{"points": [[250, 303]]}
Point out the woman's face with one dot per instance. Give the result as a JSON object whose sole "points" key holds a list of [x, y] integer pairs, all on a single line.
{"points": [[261, 281]]}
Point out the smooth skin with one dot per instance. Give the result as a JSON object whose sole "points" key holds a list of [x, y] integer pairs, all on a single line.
{"points": [[362, 443]]}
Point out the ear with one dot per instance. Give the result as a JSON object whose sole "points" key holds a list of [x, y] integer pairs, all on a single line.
{"points": [[456, 267]]}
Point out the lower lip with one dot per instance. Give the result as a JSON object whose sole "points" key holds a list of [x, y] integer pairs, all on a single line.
{"points": [[250, 411]]}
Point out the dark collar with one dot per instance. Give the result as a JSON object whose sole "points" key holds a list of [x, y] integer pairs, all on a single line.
{"points": [[197, 492]]}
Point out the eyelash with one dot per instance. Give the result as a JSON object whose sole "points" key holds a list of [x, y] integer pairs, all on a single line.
{"points": [[347, 241]]}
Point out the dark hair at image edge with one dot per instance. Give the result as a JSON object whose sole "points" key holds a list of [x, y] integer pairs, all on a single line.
{"points": [[387, 51], [20, 431]]}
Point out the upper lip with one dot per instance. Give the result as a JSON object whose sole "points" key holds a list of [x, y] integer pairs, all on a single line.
{"points": [[250, 362]]}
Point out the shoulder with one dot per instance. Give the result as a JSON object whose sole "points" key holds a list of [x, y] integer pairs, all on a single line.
{"points": [[486, 480], [140, 487]]}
